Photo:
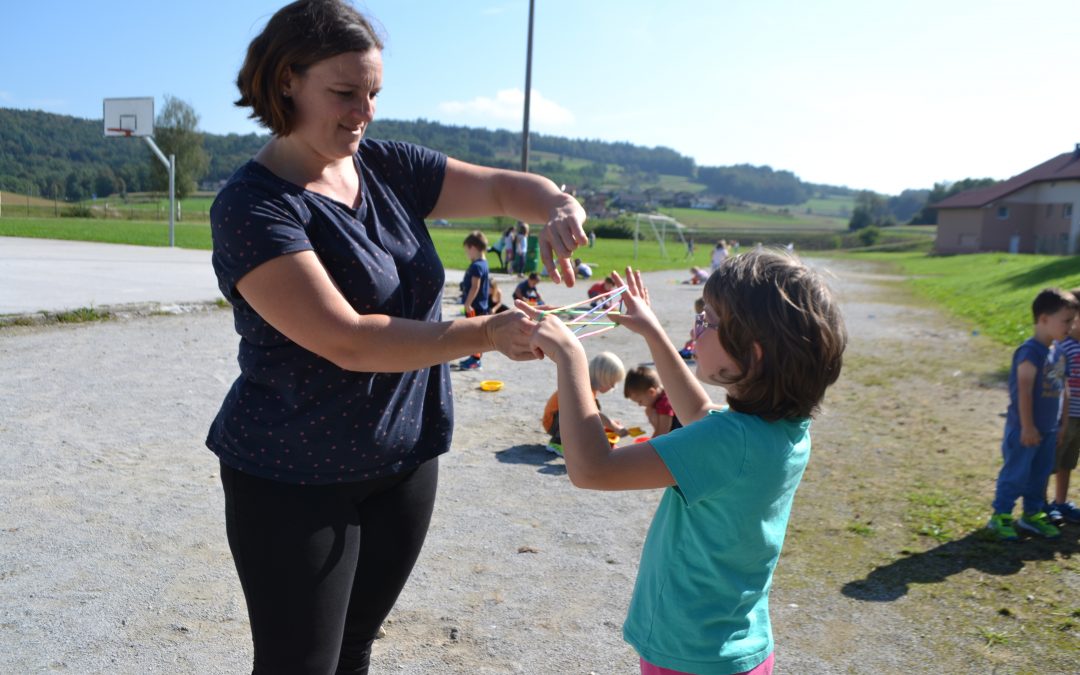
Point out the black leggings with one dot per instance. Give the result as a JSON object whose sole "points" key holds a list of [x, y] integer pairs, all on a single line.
{"points": [[321, 566]]}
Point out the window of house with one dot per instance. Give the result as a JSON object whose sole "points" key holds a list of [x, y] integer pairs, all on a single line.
{"points": [[1066, 210], [1003, 212]]}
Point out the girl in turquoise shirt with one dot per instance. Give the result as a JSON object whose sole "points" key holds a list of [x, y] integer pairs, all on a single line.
{"points": [[772, 336]]}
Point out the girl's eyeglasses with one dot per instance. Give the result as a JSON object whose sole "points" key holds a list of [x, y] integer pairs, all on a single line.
{"points": [[701, 322]]}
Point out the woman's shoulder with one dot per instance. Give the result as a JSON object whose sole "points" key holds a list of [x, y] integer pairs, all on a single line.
{"points": [[253, 182]]}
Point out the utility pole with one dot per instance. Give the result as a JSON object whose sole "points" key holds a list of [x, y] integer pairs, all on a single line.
{"points": [[528, 94]]}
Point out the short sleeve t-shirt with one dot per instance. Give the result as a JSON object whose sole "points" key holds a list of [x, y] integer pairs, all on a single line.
{"points": [[294, 416], [1051, 377], [478, 269], [701, 599], [662, 406], [1071, 349]]}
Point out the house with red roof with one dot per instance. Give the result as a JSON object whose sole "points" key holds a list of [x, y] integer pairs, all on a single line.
{"points": [[1037, 211]]}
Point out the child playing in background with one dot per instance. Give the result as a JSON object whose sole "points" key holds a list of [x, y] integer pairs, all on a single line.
{"points": [[1061, 510], [599, 288], [1037, 389], [773, 337], [495, 303], [642, 386], [687, 352], [476, 286], [528, 291], [605, 371]]}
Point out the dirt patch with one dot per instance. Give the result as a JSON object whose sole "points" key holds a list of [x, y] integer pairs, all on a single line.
{"points": [[113, 555]]}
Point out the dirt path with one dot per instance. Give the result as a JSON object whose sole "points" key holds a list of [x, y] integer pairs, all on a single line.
{"points": [[113, 555]]}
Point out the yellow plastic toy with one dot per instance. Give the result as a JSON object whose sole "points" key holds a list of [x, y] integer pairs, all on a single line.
{"points": [[491, 385]]}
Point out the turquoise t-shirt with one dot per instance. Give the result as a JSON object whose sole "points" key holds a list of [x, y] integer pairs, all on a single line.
{"points": [[701, 600]]}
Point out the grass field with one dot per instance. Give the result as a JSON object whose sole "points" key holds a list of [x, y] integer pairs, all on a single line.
{"points": [[609, 254], [765, 220], [993, 291]]}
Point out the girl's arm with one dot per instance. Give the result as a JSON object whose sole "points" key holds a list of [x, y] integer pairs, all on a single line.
{"points": [[295, 294], [471, 190], [590, 460], [688, 398]]}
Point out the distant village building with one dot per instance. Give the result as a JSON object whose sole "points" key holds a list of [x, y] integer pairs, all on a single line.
{"points": [[1037, 211]]}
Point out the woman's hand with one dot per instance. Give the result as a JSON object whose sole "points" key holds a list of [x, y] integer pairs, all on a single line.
{"points": [[551, 337], [562, 234], [510, 333], [637, 315]]}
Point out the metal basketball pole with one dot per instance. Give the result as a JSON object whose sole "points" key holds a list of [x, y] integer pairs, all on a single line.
{"points": [[170, 164]]}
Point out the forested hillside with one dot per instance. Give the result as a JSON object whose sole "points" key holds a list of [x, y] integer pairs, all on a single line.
{"points": [[67, 158]]}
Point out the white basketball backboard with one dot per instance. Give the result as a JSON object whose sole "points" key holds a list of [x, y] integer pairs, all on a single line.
{"points": [[129, 116]]}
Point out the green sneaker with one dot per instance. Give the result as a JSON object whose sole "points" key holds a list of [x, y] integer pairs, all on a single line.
{"points": [[1038, 523], [1001, 524], [555, 449]]}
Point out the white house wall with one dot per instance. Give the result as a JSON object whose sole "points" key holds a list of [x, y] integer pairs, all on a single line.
{"points": [[1058, 192]]}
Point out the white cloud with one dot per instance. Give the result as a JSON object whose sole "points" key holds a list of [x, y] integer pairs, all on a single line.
{"points": [[509, 106]]}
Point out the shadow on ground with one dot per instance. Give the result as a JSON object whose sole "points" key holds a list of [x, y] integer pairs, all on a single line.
{"points": [[975, 551], [535, 454]]}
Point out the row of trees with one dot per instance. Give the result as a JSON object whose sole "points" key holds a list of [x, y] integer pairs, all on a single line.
{"points": [[910, 206]]}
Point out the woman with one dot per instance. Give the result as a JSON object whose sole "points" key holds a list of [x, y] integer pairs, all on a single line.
{"points": [[329, 439]]}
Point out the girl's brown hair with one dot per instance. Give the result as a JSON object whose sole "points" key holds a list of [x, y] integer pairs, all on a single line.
{"points": [[297, 36], [773, 301]]}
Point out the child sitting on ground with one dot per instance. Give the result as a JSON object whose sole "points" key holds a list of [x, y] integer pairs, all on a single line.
{"points": [[772, 336], [495, 303], [528, 291], [642, 386], [1037, 392], [599, 288], [1061, 510], [687, 352], [605, 371]]}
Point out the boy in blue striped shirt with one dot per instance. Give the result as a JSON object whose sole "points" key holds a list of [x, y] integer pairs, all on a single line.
{"points": [[1061, 510]]}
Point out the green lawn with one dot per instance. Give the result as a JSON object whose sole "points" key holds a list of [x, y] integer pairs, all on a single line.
{"points": [[753, 220], [993, 291], [609, 254]]}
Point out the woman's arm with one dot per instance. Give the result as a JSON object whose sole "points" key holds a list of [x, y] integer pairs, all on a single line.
{"points": [[469, 190], [295, 295]]}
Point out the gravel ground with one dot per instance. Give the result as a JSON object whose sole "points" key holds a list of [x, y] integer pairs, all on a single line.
{"points": [[112, 546]]}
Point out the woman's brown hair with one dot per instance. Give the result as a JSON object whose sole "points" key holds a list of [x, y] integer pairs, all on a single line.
{"points": [[297, 36], [773, 301]]}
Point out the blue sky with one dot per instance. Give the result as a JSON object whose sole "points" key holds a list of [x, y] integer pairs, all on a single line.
{"points": [[869, 94]]}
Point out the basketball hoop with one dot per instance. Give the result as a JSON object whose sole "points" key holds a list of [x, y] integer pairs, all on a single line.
{"points": [[121, 132]]}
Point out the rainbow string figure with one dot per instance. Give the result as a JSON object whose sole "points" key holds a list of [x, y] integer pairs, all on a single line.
{"points": [[596, 318]]}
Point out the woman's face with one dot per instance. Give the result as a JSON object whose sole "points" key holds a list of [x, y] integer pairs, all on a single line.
{"points": [[334, 101]]}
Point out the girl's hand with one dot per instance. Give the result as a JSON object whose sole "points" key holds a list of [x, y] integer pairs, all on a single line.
{"points": [[563, 232], [550, 337], [637, 315], [510, 333]]}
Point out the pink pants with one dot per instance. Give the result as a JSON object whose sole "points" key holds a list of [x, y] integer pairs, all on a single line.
{"points": [[763, 668]]}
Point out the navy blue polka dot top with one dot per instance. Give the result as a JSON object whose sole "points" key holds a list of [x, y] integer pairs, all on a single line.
{"points": [[291, 415]]}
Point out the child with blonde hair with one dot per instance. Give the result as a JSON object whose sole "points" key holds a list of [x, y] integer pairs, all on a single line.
{"points": [[605, 371], [772, 336]]}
